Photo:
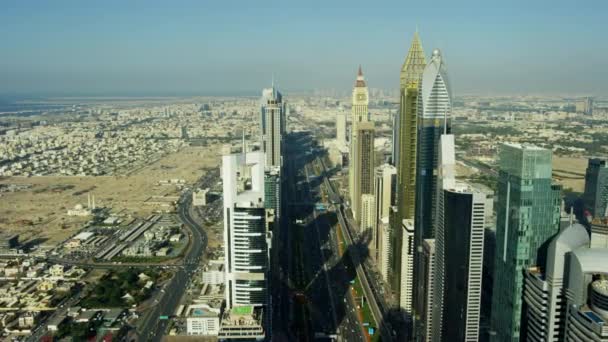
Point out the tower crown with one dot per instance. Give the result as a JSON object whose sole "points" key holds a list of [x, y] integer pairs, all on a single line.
{"points": [[360, 79], [414, 64]]}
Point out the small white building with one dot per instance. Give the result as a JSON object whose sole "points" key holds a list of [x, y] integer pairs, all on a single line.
{"points": [[202, 320], [199, 197]]}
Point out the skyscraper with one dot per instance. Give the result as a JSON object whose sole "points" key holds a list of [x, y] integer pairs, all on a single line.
{"points": [[568, 299], [459, 241], [364, 165], [384, 193], [272, 125], [596, 187], [587, 293], [528, 215], [407, 262], [359, 115], [246, 233], [424, 330], [434, 119], [272, 190], [544, 289], [368, 216], [384, 248], [404, 141]]}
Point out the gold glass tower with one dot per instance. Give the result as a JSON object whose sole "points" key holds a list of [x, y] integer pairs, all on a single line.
{"points": [[359, 114], [405, 158]]}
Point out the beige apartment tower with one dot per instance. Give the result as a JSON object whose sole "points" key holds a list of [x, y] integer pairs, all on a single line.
{"points": [[359, 115], [364, 166]]}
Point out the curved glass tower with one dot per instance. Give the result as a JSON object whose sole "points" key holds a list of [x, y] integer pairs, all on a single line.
{"points": [[434, 108]]}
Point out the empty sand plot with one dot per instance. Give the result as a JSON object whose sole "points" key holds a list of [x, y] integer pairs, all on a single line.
{"points": [[570, 172], [41, 211]]}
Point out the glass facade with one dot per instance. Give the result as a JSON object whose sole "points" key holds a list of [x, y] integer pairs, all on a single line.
{"points": [[596, 187], [528, 215]]}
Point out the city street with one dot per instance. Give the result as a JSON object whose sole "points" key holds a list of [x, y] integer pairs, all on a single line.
{"points": [[313, 280], [152, 327]]}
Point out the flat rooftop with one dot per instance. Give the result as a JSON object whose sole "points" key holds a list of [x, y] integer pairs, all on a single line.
{"points": [[242, 310]]}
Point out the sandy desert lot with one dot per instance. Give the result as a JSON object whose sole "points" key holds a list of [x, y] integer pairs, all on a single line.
{"points": [[570, 172], [40, 212]]}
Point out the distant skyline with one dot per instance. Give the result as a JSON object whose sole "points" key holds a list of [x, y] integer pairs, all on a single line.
{"points": [[235, 47]]}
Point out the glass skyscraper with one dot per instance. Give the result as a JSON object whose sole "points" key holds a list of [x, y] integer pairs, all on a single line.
{"points": [[434, 111], [528, 215], [596, 187], [272, 125]]}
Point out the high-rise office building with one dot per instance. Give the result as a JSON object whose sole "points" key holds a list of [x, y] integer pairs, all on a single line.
{"points": [[585, 106], [384, 193], [395, 139], [364, 165], [587, 293], [341, 129], [459, 260], [459, 242], [528, 215], [272, 190], [384, 248], [544, 290], [407, 263], [596, 187], [405, 143], [246, 234], [567, 300], [272, 125], [359, 114], [433, 119], [424, 330], [368, 216]]}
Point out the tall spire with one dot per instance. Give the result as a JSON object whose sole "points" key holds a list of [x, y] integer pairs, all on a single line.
{"points": [[414, 63], [360, 79]]}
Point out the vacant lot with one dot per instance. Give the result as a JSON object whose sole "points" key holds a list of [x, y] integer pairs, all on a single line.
{"points": [[570, 172], [40, 212]]}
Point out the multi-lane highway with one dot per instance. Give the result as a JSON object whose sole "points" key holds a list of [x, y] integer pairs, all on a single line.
{"points": [[311, 280], [331, 279], [375, 300], [152, 328]]}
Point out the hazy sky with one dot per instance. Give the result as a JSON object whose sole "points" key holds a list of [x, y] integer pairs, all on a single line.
{"points": [[218, 46]]}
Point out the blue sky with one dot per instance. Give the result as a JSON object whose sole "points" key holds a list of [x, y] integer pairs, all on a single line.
{"points": [[214, 47]]}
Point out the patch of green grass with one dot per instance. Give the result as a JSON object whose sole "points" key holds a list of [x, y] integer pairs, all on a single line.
{"points": [[109, 290]]}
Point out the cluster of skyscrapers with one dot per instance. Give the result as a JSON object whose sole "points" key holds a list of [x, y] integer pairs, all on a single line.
{"points": [[429, 229], [549, 280], [252, 204]]}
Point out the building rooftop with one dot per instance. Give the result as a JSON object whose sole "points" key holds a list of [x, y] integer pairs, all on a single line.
{"points": [[523, 146], [250, 199], [242, 310]]}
